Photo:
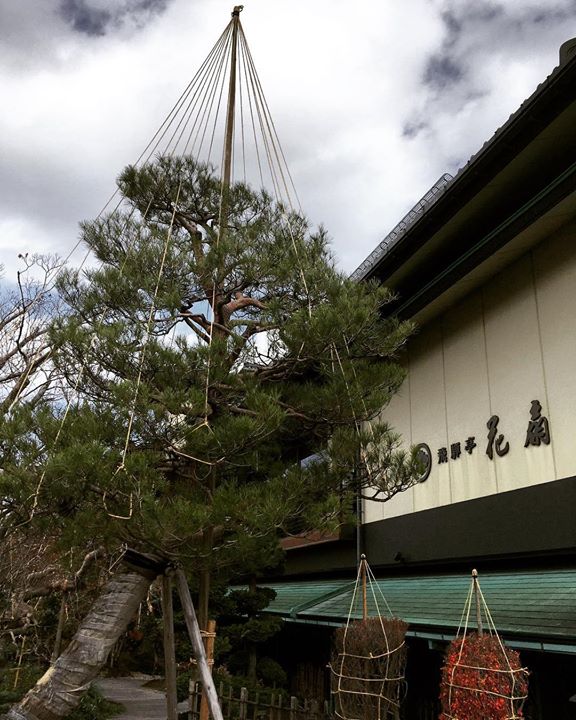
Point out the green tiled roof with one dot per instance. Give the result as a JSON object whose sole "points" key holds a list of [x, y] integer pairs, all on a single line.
{"points": [[538, 604], [291, 597]]}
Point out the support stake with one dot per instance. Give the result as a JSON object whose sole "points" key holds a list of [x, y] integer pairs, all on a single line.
{"points": [[210, 637], [198, 646]]}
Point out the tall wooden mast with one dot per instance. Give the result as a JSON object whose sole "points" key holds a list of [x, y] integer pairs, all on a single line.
{"points": [[229, 130]]}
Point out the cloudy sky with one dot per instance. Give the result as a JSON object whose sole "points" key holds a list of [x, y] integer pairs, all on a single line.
{"points": [[372, 101]]}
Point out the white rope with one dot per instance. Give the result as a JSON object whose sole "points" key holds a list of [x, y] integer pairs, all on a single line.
{"points": [[143, 158]]}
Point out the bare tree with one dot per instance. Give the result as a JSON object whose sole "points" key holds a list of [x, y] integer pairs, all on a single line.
{"points": [[32, 568], [27, 307], [28, 303]]}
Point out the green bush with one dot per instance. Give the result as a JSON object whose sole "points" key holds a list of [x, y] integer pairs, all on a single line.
{"points": [[27, 677], [94, 706]]}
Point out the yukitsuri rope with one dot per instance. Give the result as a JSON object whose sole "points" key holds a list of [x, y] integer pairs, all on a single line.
{"points": [[381, 691], [514, 699]]}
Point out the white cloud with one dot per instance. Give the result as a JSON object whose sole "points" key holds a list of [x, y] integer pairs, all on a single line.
{"points": [[344, 85]]}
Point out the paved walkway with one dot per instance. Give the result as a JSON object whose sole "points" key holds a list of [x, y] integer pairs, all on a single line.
{"points": [[140, 703]]}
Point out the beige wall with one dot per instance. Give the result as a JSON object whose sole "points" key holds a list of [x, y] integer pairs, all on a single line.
{"points": [[511, 342]]}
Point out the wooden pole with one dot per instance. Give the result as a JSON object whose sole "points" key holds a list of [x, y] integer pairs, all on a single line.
{"points": [[364, 588], [477, 599], [169, 649], [229, 127], [198, 645], [209, 639], [229, 130], [243, 709]]}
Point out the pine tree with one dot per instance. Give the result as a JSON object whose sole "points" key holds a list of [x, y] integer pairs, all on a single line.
{"points": [[206, 361]]}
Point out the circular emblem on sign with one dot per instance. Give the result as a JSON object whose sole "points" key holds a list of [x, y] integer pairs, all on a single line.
{"points": [[424, 457]]}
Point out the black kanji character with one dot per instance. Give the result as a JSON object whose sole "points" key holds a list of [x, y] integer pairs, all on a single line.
{"points": [[455, 451], [538, 428], [442, 455], [470, 445], [495, 443]]}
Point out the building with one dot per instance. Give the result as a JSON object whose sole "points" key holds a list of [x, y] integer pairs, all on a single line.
{"points": [[486, 266]]}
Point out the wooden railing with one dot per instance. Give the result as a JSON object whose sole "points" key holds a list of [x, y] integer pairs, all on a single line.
{"points": [[242, 705]]}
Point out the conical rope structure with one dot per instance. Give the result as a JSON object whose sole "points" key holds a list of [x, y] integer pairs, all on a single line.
{"points": [[197, 124], [369, 655], [481, 677], [223, 106], [134, 306]]}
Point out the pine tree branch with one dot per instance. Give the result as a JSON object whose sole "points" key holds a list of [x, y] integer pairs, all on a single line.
{"points": [[193, 326], [241, 301], [67, 584], [24, 379]]}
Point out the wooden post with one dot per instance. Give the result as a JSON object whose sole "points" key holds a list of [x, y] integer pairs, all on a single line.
{"points": [[364, 589], [243, 713], [198, 645], [197, 696], [221, 696], [477, 599], [169, 649], [230, 708], [209, 638], [293, 707]]}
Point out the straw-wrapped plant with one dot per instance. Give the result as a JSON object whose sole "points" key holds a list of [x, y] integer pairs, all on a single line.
{"points": [[368, 662]]}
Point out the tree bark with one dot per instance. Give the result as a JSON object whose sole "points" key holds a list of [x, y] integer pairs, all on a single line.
{"points": [[60, 689], [205, 580]]}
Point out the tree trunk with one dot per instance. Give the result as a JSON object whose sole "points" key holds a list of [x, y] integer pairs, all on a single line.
{"points": [[252, 662], [60, 689], [170, 671], [206, 571], [59, 630], [252, 654], [205, 578]]}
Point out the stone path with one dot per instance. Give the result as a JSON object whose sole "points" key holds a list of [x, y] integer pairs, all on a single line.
{"points": [[140, 703]]}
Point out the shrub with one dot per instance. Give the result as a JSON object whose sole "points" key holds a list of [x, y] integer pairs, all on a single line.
{"points": [[368, 664], [482, 680], [94, 706]]}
